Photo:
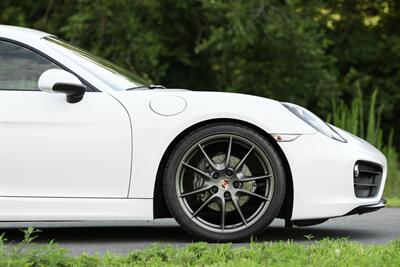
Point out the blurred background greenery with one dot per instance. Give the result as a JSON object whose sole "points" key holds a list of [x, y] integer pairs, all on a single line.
{"points": [[340, 59]]}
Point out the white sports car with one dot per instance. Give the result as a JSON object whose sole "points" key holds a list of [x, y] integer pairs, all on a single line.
{"points": [[82, 139]]}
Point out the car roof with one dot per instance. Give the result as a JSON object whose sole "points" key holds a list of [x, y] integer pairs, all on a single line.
{"points": [[14, 32]]}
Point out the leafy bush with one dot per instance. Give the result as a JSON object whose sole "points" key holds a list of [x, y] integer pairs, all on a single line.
{"points": [[352, 119]]}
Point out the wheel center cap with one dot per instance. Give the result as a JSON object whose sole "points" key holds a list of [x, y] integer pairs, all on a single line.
{"points": [[224, 184]]}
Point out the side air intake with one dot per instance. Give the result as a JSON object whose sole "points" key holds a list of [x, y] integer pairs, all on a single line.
{"points": [[367, 179]]}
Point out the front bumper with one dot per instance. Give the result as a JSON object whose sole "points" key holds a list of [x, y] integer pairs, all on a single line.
{"points": [[322, 171], [367, 208]]}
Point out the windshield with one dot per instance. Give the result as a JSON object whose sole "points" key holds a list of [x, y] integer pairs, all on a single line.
{"points": [[114, 76]]}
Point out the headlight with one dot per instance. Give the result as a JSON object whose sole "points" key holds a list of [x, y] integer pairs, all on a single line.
{"points": [[314, 121]]}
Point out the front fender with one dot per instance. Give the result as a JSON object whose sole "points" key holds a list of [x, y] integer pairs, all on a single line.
{"points": [[153, 133]]}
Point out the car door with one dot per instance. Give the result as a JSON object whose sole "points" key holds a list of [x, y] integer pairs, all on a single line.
{"points": [[50, 148]]}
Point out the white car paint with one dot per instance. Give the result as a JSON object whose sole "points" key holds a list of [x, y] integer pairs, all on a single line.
{"points": [[98, 159], [50, 148]]}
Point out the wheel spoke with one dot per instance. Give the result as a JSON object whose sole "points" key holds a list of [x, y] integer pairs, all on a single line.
{"points": [[195, 191], [253, 194], [253, 178], [205, 203], [228, 154], [237, 167], [196, 170], [209, 160], [223, 203], [239, 210]]}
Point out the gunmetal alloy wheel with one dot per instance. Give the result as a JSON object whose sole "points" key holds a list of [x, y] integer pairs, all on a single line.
{"points": [[224, 182]]}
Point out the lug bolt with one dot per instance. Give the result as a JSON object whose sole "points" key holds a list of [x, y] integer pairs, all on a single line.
{"points": [[227, 194], [215, 175], [235, 184], [229, 172], [214, 189]]}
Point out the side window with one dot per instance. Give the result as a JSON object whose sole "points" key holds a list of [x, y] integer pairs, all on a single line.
{"points": [[20, 68]]}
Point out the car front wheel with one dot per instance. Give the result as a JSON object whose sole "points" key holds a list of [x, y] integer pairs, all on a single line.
{"points": [[224, 182]]}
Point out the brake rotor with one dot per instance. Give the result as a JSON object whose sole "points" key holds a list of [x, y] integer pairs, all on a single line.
{"points": [[198, 182]]}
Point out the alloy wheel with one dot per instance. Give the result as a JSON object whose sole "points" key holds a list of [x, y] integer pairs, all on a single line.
{"points": [[224, 183]]}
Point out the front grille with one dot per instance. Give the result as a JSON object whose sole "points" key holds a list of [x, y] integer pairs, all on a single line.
{"points": [[367, 179]]}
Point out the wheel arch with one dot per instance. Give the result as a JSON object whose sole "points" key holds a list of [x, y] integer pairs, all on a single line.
{"points": [[160, 209]]}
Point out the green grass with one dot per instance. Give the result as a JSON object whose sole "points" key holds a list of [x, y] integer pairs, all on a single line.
{"points": [[321, 253], [393, 202], [327, 252]]}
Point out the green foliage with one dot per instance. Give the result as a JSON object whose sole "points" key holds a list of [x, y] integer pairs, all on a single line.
{"points": [[366, 44], [393, 202], [29, 234], [268, 48], [300, 51], [320, 253], [352, 118]]}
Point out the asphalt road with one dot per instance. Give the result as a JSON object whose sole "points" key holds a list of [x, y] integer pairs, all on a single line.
{"points": [[123, 237]]}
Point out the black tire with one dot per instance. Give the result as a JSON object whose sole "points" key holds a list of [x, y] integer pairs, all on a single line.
{"points": [[182, 205]]}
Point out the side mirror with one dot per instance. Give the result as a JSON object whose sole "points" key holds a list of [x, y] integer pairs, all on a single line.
{"points": [[61, 81]]}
